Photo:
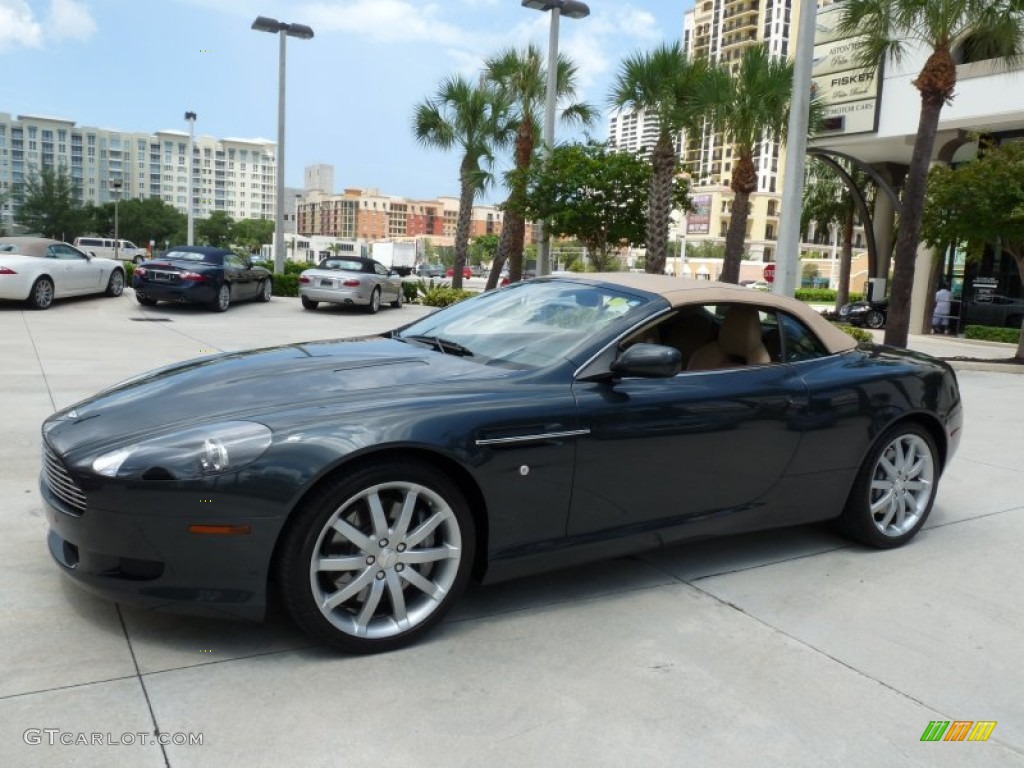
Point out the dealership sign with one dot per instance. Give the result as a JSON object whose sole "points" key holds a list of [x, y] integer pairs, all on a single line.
{"points": [[848, 90], [699, 222]]}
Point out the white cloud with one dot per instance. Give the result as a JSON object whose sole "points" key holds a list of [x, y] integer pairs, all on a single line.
{"points": [[387, 21], [69, 20], [18, 27]]}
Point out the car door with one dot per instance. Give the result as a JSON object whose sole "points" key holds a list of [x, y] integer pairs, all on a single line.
{"points": [[240, 277], [74, 272], [389, 291], [666, 451]]}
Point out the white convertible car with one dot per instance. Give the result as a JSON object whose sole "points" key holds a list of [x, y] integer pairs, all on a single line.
{"points": [[39, 270]]}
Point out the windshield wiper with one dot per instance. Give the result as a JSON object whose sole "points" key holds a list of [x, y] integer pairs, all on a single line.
{"points": [[445, 346]]}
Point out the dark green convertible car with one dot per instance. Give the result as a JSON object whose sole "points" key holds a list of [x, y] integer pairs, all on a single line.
{"points": [[545, 424]]}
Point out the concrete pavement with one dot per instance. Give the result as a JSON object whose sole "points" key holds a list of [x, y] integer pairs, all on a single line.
{"points": [[787, 648]]}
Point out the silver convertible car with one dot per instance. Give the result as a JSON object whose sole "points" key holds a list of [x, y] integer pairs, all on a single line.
{"points": [[350, 280]]}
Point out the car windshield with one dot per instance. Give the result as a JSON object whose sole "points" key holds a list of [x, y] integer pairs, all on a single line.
{"points": [[348, 265], [209, 258], [528, 325]]}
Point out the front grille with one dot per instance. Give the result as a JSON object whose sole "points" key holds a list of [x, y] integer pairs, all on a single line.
{"points": [[60, 482]]}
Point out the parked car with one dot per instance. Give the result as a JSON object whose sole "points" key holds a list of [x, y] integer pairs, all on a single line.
{"points": [[430, 270], [551, 423], [996, 310], [38, 270], [466, 272], [350, 280], [109, 248], [199, 274], [873, 314]]}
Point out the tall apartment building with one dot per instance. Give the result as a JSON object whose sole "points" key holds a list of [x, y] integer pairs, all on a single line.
{"points": [[368, 215], [632, 131], [236, 176]]}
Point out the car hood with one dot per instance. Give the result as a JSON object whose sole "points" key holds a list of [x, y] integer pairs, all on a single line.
{"points": [[276, 386]]}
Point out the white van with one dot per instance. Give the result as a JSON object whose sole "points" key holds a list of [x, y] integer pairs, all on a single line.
{"points": [[104, 247]]}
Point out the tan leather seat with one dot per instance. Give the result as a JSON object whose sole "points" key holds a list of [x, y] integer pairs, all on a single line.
{"points": [[738, 343]]}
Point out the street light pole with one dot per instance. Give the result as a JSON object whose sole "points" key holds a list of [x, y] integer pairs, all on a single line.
{"points": [[191, 118], [116, 184], [788, 254], [283, 29], [558, 8]]}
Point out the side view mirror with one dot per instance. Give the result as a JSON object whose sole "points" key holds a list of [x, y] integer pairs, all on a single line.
{"points": [[92, 254], [649, 361]]}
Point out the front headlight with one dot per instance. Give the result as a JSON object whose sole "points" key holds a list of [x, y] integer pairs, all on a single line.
{"points": [[189, 454]]}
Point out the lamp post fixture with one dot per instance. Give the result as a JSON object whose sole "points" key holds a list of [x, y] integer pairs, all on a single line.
{"points": [[116, 185], [190, 117], [558, 8], [283, 29]]}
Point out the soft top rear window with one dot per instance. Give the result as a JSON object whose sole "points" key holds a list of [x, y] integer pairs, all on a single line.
{"points": [[348, 265], [209, 258]]}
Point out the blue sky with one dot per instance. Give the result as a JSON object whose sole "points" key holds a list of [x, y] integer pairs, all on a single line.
{"points": [[139, 65]]}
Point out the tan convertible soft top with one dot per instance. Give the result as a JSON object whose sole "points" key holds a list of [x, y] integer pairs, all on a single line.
{"points": [[680, 291]]}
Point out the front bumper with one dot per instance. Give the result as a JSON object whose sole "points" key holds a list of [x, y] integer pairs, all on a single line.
{"points": [[148, 558]]}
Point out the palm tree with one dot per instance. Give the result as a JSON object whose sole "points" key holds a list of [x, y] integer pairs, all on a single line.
{"points": [[747, 109], [661, 83], [828, 203], [475, 119], [522, 77], [890, 29]]}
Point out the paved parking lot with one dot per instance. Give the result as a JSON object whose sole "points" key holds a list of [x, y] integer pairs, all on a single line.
{"points": [[788, 648]]}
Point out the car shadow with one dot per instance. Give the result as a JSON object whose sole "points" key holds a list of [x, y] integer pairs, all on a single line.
{"points": [[165, 641]]}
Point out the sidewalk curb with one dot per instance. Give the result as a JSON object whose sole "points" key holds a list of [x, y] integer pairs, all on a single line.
{"points": [[974, 365]]}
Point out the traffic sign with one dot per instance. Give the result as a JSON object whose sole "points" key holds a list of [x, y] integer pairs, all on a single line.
{"points": [[769, 273]]}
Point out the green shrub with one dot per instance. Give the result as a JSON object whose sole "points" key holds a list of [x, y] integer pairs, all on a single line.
{"points": [[989, 333], [286, 285], [822, 295], [129, 270], [858, 333], [410, 291], [443, 296]]}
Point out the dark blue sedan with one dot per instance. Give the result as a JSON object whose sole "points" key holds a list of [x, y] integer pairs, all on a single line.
{"points": [[197, 274]]}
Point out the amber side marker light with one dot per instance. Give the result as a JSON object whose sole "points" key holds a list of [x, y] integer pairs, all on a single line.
{"points": [[221, 530]]}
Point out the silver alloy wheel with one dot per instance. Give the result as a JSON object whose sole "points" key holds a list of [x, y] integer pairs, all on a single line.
{"points": [[385, 560], [42, 293], [116, 285], [375, 300], [267, 291], [902, 485], [874, 319], [223, 297]]}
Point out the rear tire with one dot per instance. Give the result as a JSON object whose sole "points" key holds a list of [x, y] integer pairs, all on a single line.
{"points": [[41, 295], [308, 303], [223, 300], [374, 306], [895, 488], [397, 303], [115, 286], [266, 290], [377, 556]]}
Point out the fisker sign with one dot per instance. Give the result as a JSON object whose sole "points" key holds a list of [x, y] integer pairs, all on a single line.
{"points": [[849, 91]]}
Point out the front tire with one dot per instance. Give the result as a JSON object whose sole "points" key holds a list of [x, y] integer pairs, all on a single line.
{"points": [[115, 285], [895, 488], [308, 303], [223, 300], [374, 306], [874, 319], [377, 557], [41, 295]]}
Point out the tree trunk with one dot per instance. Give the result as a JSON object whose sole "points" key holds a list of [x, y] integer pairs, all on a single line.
{"points": [[466, 195], [663, 163], [936, 83], [845, 262], [744, 181]]}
